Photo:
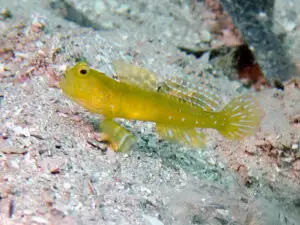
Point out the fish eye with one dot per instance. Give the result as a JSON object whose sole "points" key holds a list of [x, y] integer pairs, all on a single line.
{"points": [[83, 70]]}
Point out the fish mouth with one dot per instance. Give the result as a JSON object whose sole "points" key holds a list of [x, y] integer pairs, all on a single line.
{"points": [[63, 77], [66, 71], [62, 81]]}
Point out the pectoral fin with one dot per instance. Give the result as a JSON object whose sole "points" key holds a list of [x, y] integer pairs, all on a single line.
{"points": [[119, 138], [185, 136]]}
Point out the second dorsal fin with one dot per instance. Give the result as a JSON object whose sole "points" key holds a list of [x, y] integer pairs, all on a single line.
{"points": [[206, 100], [134, 75]]}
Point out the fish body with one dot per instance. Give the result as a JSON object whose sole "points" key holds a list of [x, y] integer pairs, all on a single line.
{"points": [[176, 113]]}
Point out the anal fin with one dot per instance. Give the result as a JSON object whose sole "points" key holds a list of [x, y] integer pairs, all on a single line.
{"points": [[119, 138], [186, 136]]}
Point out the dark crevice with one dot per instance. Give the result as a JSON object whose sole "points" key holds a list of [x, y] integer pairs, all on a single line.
{"points": [[190, 51], [70, 13]]}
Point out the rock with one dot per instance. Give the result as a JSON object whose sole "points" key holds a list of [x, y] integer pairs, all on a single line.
{"points": [[21, 131], [100, 7], [205, 36], [150, 220], [7, 149], [296, 165]]}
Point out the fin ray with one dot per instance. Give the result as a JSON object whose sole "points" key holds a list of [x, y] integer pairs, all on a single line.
{"points": [[134, 75], [207, 100], [120, 138], [243, 115], [190, 137]]}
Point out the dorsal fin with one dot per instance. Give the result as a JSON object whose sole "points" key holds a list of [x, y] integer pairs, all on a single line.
{"points": [[187, 136], [134, 75], [206, 100]]}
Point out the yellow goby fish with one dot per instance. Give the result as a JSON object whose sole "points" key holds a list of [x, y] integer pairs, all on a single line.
{"points": [[177, 111]]}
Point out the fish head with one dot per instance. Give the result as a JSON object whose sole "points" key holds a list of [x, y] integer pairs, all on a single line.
{"points": [[77, 81]]}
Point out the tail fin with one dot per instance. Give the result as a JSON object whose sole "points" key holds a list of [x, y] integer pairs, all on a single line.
{"points": [[242, 117]]}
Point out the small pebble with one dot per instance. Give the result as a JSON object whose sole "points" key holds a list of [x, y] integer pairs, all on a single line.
{"points": [[5, 13], [289, 26], [4, 135], [13, 164], [123, 9], [144, 189], [67, 185], [40, 220]]}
